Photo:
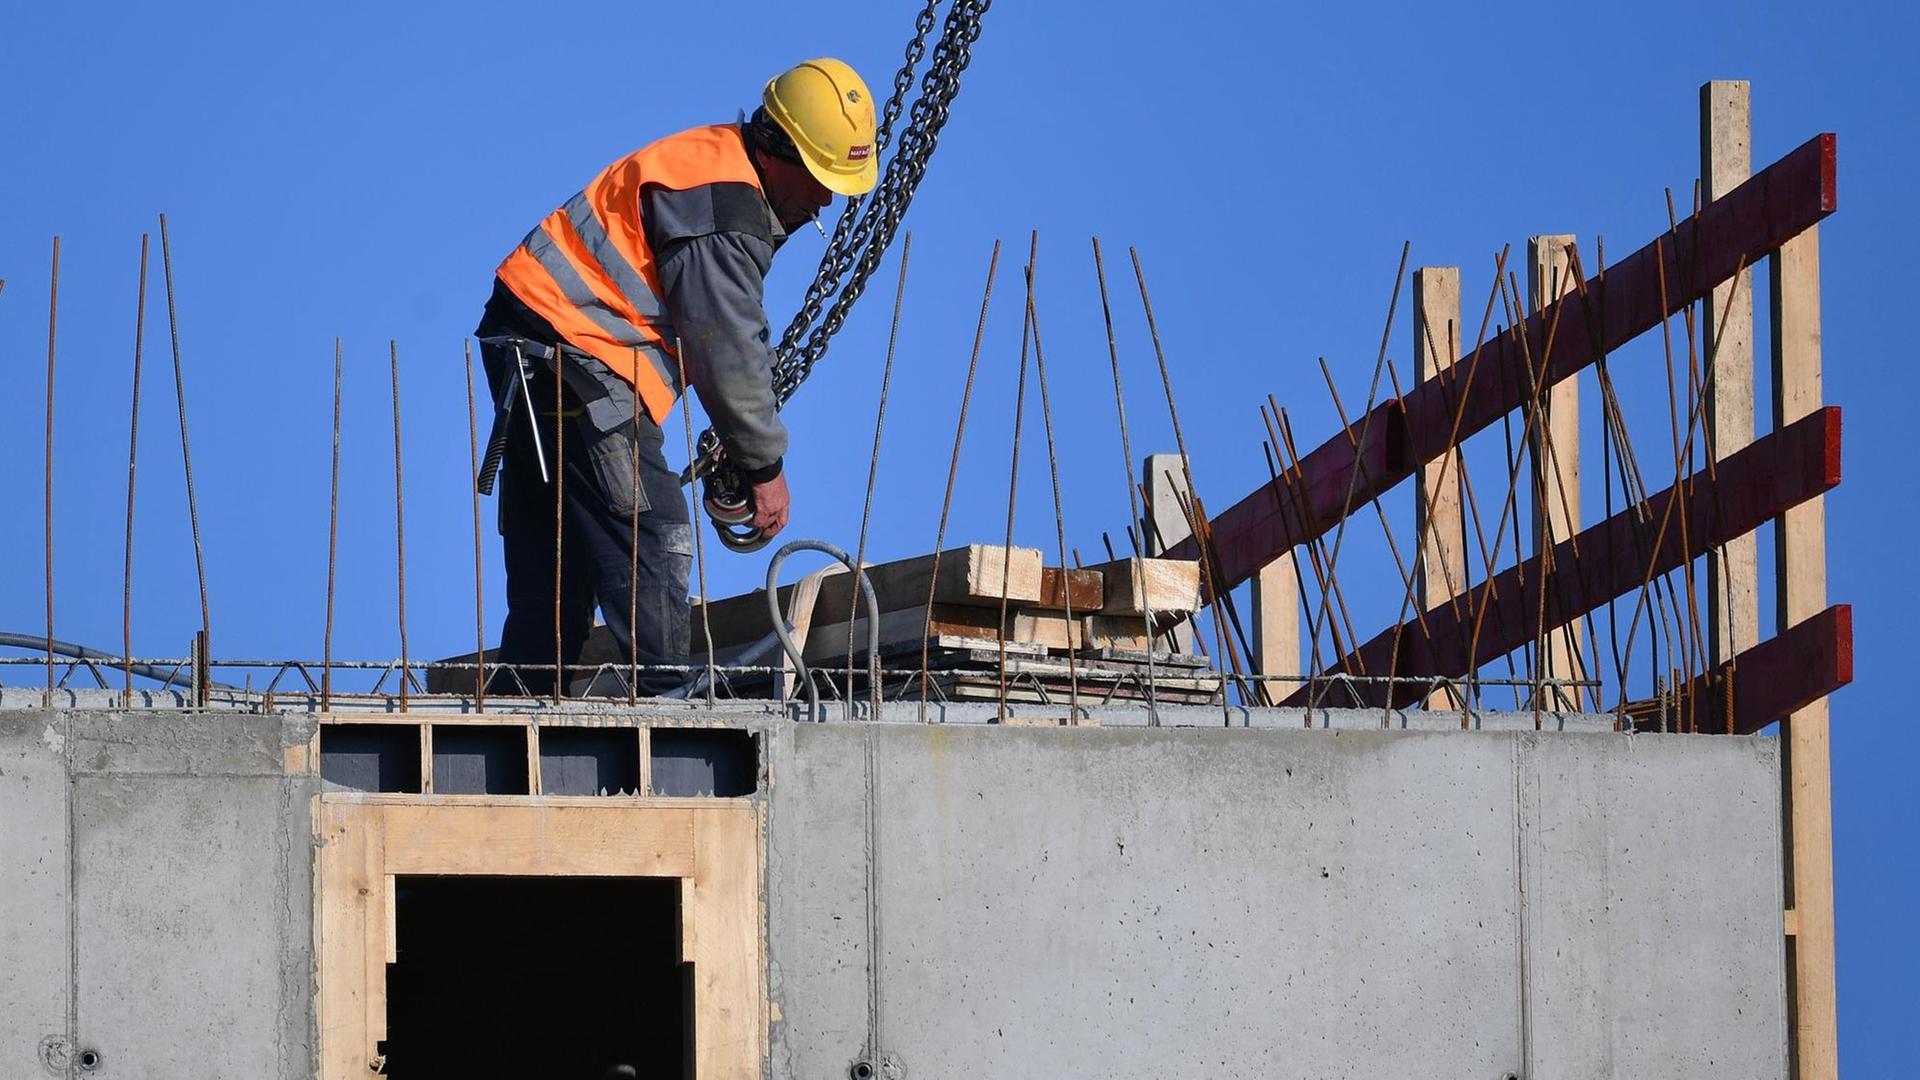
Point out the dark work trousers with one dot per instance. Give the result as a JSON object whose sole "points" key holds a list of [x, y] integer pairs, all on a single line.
{"points": [[602, 525]]}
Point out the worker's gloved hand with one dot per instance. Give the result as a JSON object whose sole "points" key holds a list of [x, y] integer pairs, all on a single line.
{"points": [[770, 505]]}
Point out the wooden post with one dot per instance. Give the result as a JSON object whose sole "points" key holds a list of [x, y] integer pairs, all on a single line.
{"points": [[1800, 556], [1556, 460], [1436, 501], [1726, 161], [1166, 523], [1276, 625]]}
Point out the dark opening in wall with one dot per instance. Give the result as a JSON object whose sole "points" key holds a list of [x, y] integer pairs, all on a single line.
{"points": [[479, 759], [556, 978], [371, 757], [719, 762], [589, 761]]}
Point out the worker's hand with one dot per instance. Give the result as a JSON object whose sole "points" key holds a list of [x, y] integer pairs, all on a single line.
{"points": [[770, 505]]}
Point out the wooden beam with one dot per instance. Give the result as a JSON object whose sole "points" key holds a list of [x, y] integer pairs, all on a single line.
{"points": [[1733, 574], [1163, 586], [1276, 624], [1777, 204], [1083, 591], [1774, 679], [1166, 529], [1437, 497], [1800, 589], [1617, 556], [1555, 456]]}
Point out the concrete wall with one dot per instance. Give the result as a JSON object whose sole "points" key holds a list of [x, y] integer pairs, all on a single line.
{"points": [[973, 900], [155, 896], [1155, 902]]}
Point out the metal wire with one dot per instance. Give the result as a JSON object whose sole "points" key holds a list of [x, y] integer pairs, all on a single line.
{"points": [[133, 458], [399, 522], [879, 425], [186, 449], [53, 322]]}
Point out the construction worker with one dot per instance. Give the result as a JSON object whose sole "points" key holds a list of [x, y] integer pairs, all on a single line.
{"points": [[655, 269]]}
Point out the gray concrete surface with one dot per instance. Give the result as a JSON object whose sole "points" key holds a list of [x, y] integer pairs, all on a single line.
{"points": [[1358, 897], [1146, 903], [157, 880]]}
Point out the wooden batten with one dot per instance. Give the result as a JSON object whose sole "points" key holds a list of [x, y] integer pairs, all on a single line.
{"points": [[1166, 586]]}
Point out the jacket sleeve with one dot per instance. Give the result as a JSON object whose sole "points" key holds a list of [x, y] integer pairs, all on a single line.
{"points": [[714, 285]]}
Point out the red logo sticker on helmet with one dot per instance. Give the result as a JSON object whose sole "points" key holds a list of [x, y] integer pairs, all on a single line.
{"points": [[858, 153]]}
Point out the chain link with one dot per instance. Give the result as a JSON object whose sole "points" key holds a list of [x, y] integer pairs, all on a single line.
{"points": [[866, 227]]}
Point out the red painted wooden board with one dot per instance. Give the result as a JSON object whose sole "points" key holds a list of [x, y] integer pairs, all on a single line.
{"points": [[1775, 205], [1786, 672], [1771, 475]]}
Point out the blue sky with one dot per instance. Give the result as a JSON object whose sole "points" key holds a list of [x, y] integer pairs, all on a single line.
{"points": [[357, 170]]}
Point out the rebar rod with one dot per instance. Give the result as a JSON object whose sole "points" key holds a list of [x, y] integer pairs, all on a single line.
{"points": [[399, 522], [633, 555], [873, 465], [479, 580], [1059, 514], [699, 546], [53, 322], [559, 514], [953, 471], [133, 460], [1013, 476], [186, 450], [333, 540], [1133, 498]]}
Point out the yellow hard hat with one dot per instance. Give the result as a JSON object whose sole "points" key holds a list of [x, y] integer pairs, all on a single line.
{"points": [[826, 110]]}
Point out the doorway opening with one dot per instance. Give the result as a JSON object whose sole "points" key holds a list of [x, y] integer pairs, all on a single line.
{"points": [[538, 976]]}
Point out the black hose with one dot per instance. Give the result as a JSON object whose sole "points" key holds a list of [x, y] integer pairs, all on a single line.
{"points": [[166, 677]]}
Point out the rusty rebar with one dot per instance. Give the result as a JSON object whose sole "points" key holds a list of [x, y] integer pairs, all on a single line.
{"points": [[133, 460], [699, 547], [1186, 463], [479, 580], [333, 541], [186, 450], [399, 522], [873, 467], [633, 555], [1133, 498], [953, 471], [53, 323], [1059, 513], [559, 513], [1013, 475]]}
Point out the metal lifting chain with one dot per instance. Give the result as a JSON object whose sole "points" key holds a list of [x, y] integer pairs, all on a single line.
{"points": [[866, 226]]}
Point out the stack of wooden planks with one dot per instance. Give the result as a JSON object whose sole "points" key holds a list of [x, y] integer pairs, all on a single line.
{"points": [[1096, 615], [1084, 626]]}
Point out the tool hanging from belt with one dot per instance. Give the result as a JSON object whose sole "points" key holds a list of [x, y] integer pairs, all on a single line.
{"points": [[503, 408]]}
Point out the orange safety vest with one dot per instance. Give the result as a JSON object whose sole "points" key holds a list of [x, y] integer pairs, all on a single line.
{"points": [[587, 268]]}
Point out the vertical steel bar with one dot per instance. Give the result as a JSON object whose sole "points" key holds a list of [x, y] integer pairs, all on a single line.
{"points": [[186, 450], [333, 542], [1059, 516], [133, 459], [399, 522], [479, 581], [559, 512], [953, 471], [699, 548], [1013, 476], [53, 321], [1133, 495], [633, 557], [873, 474]]}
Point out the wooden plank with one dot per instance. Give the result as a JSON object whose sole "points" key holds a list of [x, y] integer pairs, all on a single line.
{"points": [[537, 840], [968, 575], [1782, 470], [1082, 589], [351, 941], [1733, 573], [1773, 680], [1163, 586], [1045, 629], [724, 920], [1166, 529], [1438, 518], [1776, 205], [1276, 624], [1800, 589], [1555, 457]]}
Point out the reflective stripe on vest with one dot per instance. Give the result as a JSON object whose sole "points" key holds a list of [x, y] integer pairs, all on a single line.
{"points": [[588, 270]]}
